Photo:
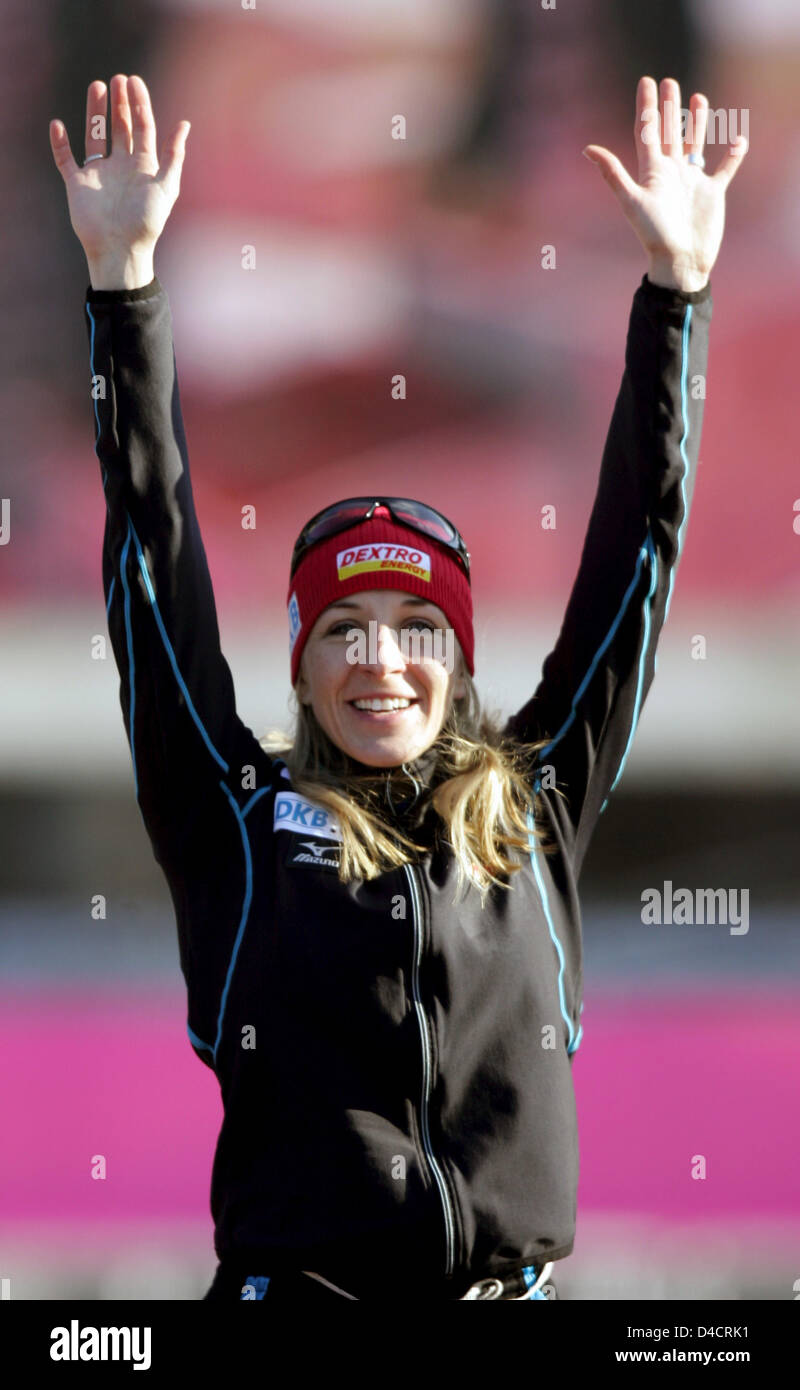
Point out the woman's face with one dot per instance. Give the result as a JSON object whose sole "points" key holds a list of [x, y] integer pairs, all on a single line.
{"points": [[338, 671]]}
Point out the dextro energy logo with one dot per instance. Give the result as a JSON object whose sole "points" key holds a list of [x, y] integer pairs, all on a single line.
{"points": [[363, 558]]}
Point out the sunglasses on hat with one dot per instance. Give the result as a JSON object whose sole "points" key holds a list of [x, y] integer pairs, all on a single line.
{"points": [[403, 510]]}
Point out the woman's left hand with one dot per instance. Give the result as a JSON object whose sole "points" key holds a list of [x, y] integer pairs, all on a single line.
{"points": [[676, 209]]}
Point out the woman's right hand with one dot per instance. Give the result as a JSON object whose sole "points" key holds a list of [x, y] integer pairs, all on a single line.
{"points": [[118, 205]]}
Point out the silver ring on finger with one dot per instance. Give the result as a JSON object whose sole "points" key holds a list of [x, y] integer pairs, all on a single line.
{"points": [[90, 157], [698, 160]]}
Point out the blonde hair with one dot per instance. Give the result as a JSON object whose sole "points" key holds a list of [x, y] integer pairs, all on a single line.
{"points": [[482, 793]]}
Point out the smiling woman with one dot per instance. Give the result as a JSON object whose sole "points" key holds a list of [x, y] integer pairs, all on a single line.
{"points": [[384, 736], [394, 1060], [365, 726]]}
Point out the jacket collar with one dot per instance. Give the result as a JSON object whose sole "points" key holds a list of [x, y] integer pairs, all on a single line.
{"points": [[402, 793]]}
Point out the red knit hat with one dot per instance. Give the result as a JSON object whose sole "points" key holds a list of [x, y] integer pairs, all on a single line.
{"points": [[378, 554]]}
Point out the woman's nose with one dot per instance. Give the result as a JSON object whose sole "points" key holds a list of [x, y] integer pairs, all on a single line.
{"points": [[383, 648]]}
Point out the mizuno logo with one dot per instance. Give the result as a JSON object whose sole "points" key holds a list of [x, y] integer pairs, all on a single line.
{"points": [[317, 858]]}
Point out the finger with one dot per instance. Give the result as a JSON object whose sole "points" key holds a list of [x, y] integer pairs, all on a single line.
{"points": [[698, 124], [646, 128], [62, 154], [671, 142], [172, 157], [120, 115], [614, 173], [96, 132], [144, 126], [731, 161]]}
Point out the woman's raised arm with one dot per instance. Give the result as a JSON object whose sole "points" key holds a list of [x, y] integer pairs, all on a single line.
{"points": [[195, 763], [596, 679]]}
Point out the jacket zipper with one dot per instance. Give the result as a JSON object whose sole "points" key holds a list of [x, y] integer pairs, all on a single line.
{"points": [[449, 1218]]}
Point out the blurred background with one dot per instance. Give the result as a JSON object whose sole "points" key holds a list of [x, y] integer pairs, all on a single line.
{"points": [[422, 256]]}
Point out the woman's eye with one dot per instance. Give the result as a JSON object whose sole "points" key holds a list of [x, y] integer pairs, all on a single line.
{"points": [[423, 624]]}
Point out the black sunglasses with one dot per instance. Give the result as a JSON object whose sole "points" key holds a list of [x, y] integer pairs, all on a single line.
{"points": [[406, 512]]}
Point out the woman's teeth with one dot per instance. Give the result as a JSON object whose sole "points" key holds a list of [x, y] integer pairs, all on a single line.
{"points": [[382, 704]]}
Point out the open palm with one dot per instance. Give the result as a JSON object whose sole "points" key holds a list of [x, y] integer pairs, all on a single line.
{"points": [[676, 209], [120, 203]]}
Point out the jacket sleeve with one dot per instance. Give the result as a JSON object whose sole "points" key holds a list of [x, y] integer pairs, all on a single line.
{"points": [[176, 689], [596, 678]]}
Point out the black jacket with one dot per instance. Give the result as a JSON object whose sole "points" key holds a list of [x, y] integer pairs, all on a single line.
{"points": [[395, 1069]]}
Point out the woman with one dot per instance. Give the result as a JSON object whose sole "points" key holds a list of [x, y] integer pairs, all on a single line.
{"points": [[380, 929]]}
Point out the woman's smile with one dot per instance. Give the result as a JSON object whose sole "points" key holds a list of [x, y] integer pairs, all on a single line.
{"points": [[383, 709]]}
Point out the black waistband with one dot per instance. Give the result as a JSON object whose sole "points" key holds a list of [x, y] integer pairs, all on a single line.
{"points": [[237, 1279]]}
